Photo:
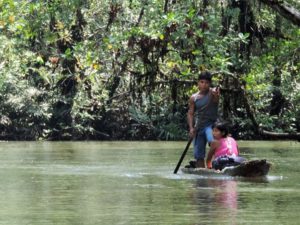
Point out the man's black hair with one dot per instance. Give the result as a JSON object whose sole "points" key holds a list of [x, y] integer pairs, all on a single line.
{"points": [[205, 76]]}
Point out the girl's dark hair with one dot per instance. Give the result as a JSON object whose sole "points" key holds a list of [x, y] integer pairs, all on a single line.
{"points": [[205, 76], [223, 127]]}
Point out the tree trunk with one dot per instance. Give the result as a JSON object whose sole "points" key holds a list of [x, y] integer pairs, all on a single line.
{"points": [[277, 101], [246, 25], [62, 117]]}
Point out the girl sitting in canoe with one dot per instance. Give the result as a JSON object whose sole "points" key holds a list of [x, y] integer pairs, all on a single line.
{"points": [[223, 149]]}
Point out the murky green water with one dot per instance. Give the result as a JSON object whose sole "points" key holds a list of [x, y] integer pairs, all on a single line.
{"points": [[112, 183]]}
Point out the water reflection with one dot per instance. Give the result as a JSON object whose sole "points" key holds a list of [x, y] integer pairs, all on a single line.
{"points": [[217, 198]]}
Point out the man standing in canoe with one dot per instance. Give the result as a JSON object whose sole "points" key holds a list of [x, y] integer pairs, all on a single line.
{"points": [[202, 114]]}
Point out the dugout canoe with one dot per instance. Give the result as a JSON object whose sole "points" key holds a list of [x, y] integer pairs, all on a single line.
{"points": [[252, 168]]}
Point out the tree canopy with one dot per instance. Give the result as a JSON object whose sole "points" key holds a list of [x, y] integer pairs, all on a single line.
{"points": [[125, 69]]}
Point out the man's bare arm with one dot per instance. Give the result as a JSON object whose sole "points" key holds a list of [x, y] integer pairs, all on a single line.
{"points": [[190, 117]]}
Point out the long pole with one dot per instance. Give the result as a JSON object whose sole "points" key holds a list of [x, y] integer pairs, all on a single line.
{"points": [[183, 155]]}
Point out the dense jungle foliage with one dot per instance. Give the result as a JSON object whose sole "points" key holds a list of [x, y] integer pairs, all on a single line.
{"points": [[114, 69]]}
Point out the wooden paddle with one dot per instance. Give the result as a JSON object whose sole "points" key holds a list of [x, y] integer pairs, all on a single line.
{"points": [[183, 155]]}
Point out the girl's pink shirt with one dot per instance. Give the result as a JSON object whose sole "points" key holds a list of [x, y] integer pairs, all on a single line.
{"points": [[228, 146]]}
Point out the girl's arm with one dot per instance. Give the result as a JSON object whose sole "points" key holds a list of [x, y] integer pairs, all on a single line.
{"points": [[213, 146]]}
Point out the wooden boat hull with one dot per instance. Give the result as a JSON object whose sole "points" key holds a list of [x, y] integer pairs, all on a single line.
{"points": [[252, 168]]}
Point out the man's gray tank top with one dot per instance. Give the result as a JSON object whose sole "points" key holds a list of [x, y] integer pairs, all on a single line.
{"points": [[206, 110]]}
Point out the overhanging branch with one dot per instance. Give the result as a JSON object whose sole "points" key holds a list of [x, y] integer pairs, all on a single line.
{"points": [[285, 10]]}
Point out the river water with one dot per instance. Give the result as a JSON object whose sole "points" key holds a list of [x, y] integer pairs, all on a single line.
{"points": [[114, 183]]}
